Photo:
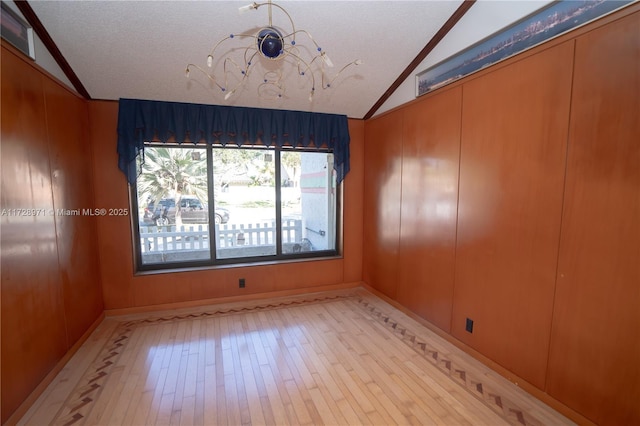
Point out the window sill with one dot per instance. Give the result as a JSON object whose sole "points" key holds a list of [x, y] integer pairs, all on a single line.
{"points": [[235, 265]]}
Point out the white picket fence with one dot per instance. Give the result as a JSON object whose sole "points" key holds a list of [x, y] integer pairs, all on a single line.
{"points": [[154, 239]]}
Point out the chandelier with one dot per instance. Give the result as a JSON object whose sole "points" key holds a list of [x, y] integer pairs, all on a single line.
{"points": [[274, 45]]}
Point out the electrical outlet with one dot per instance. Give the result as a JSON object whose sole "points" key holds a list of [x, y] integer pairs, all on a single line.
{"points": [[469, 326], [241, 283]]}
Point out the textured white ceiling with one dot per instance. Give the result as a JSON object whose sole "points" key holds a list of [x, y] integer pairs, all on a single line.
{"points": [[139, 49]]}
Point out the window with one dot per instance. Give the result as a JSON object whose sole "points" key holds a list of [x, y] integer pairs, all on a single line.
{"points": [[199, 206]]}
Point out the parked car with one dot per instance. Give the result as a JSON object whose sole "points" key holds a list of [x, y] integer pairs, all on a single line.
{"points": [[193, 211]]}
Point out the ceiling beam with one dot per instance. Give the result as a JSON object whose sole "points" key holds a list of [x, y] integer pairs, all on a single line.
{"points": [[451, 22], [41, 31]]}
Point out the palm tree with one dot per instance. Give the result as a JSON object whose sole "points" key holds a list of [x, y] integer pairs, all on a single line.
{"points": [[173, 172]]}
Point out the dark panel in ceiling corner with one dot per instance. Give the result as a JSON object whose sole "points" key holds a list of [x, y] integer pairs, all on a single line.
{"points": [[42, 32]]}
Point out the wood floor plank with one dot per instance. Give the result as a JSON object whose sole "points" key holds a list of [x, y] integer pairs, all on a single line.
{"points": [[306, 413], [237, 354], [407, 402], [250, 378], [146, 373], [278, 373], [373, 357], [199, 401], [354, 361], [210, 399], [122, 401], [327, 340], [152, 414], [335, 358], [446, 391], [302, 415], [156, 375], [431, 402], [265, 403], [278, 410]]}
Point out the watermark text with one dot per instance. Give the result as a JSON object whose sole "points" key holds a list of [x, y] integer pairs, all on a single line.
{"points": [[31, 212]]}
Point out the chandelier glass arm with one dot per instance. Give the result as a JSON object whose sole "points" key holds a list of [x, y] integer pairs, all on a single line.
{"points": [[245, 72], [307, 67], [210, 57], [330, 82], [210, 77], [321, 53]]}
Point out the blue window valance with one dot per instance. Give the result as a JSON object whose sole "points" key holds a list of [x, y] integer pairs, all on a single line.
{"points": [[141, 121]]}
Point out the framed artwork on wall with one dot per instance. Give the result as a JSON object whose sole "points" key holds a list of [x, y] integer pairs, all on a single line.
{"points": [[546, 23], [17, 32]]}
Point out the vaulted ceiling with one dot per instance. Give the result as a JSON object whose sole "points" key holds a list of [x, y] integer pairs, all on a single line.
{"points": [[140, 49]]}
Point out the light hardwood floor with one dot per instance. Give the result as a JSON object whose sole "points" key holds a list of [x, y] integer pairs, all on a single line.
{"points": [[334, 358]]}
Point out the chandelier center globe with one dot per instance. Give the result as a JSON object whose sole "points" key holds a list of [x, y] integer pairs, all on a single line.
{"points": [[270, 43]]}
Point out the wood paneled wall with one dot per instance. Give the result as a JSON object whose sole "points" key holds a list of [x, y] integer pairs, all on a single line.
{"points": [[512, 164], [381, 213], [595, 342], [51, 291], [430, 158], [542, 225], [123, 289]]}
